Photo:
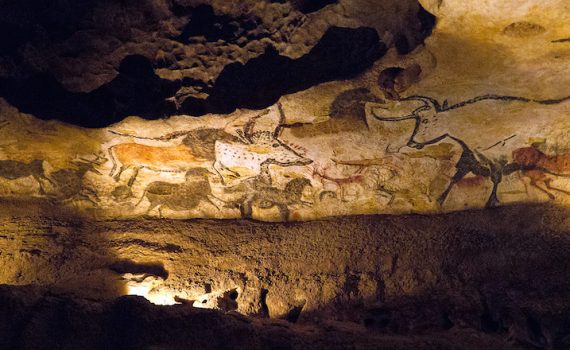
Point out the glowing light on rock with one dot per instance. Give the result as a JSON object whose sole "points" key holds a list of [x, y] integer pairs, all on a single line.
{"points": [[151, 288]]}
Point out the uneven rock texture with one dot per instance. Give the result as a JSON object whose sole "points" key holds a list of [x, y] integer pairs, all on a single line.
{"points": [[45, 321], [73, 60], [311, 113], [350, 123], [491, 274]]}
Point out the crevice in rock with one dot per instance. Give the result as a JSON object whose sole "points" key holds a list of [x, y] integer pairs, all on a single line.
{"points": [[377, 318], [489, 321], [128, 266], [264, 309], [294, 314], [426, 22], [56, 61], [308, 6]]}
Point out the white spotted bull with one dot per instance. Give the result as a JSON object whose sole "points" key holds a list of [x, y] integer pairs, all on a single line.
{"points": [[256, 148]]}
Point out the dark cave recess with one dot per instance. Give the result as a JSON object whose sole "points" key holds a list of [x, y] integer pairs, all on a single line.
{"points": [[341, 53], [137, 90]]}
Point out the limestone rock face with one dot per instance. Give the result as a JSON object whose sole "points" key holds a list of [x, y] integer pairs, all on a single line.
{"points": [[488, 13], [74, 54], [132, 322], [316, 173], [473, 280]]}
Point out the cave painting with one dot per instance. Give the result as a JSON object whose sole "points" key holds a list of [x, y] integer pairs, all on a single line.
{"points": [[245, 158], [435, 122], [542, 169], [13, 169], [61, 185], [408, 154], [180, 196]]}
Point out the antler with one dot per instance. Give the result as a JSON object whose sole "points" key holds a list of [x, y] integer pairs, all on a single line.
{"points": [[247, 132], [279, 127], [98, 157]]}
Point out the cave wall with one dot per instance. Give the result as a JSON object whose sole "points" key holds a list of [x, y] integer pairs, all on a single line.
{"points": [[351, 121], [244, 156]]}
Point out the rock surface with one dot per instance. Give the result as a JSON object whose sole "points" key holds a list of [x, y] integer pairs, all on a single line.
{"points": [[39, 320], [315, 117], [354, 120], [70, 61], [464, 278]]}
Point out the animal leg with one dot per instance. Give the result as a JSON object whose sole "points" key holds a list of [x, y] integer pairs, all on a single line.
{"points": [[42, 190], [113, 160], [91, 191], [218, 171], [39, 179], [211, 202], [381, 191], [43, 177], [246, 209], [117, 176], [522, 178], [493, 201], [95, 195], [548, 185], [342, 193], [496, 178], [283, 212], [459, 174], [534, 183], [87, 198], [133, 177], [151, 207]]}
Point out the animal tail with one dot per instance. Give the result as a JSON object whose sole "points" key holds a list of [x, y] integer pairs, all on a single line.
{"points": [[166, 137], [550, 172]]}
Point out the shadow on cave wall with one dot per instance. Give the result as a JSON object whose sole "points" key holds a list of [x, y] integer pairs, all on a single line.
{"points": [[340, 54], [137, 90], [308, 6], [205, 23], [502, 273]]}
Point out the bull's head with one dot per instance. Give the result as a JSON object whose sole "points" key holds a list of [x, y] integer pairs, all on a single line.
{"points": [[421, 110], [264, 137]]}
